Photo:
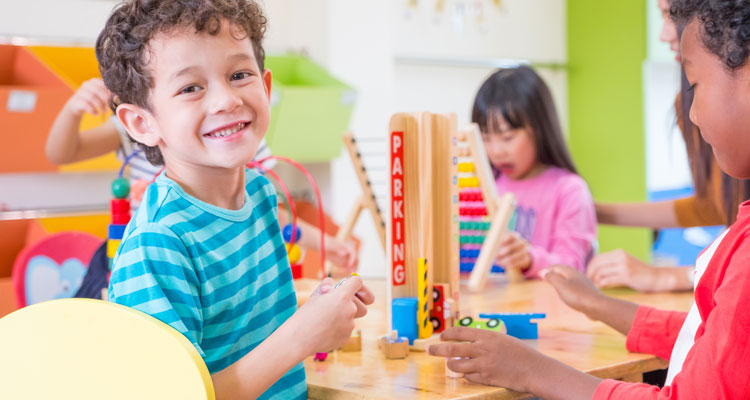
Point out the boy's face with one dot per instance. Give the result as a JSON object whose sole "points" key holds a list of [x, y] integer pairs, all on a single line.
{"points": [[721, 104], [209, 101]]}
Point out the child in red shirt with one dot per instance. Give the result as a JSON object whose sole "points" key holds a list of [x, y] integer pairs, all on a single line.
{"points": [[708, 347]]}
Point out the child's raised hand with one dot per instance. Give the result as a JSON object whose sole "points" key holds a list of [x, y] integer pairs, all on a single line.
{"points": [[327, 317], [92, 97], [573, 287], [514, 252], [487, 357], [342, 255]]}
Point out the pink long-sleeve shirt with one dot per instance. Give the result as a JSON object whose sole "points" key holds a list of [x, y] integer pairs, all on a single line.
{"points": [[708, 348], [556, 215]]}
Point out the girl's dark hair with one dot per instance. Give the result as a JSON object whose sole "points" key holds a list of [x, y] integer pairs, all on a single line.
{"points": [[521, 98], [122, 46], [724, 36]]}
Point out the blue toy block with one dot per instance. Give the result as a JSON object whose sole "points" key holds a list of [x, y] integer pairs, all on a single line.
{"points": [[116, 231], [404, 317], [519, 325]]}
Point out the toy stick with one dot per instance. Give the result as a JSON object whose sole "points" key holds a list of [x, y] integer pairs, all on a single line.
{"points": [[483, 169], [505, 208]]}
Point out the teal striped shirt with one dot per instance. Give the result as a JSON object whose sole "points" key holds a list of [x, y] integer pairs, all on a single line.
{"points": [[220, 277]]}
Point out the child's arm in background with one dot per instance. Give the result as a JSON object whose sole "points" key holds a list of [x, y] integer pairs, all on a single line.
{"points": [[65, 143], [573, 234], [324, 323], [656, 215], [342, 254], [618, 268]]}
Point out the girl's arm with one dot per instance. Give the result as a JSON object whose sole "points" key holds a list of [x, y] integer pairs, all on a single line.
{"points": [[65, 143], [658, 214]]}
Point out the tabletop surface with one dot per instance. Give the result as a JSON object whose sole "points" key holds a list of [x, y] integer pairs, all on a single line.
{"points": [[564, 334]]}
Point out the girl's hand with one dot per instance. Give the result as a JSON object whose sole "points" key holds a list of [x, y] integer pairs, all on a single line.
{"points": [[342, 255], [92, 97], [326, 320], [574, 288], [487, 357], [514, 252], [618, 268]]}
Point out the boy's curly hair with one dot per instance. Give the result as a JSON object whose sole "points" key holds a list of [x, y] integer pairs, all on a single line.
{"points": [[122, 46], [725, 27]]}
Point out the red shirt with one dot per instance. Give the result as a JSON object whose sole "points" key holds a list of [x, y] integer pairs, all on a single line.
{"points": [[717, 364]]}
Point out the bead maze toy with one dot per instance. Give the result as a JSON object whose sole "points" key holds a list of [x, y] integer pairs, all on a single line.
{"points": [[483, 215], [422, 241]]}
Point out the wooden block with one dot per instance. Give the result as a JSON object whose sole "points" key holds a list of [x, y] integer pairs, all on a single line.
{"points": [[355, 342], [422, 344], [394, 350]]}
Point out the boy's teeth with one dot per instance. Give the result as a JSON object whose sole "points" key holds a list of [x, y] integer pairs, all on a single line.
{"points": [[227, 132]]}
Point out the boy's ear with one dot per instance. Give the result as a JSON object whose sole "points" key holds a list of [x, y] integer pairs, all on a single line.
{"points": [[267, 83], [139, 123]]}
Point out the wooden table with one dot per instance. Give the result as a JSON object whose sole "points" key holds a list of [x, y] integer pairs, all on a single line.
{"points": [[565, 335]]}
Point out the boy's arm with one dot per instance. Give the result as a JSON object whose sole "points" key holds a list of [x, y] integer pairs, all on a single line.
{"points": [[322, 324], [65, 143]]}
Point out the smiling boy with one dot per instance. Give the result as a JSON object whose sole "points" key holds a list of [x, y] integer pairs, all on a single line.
{"points": [[204, 252]]}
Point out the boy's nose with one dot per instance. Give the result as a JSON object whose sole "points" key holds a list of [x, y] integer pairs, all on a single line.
{"points": [[223, 99]]}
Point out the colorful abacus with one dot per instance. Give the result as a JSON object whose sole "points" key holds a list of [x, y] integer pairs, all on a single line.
{"points": [[474, 220]]}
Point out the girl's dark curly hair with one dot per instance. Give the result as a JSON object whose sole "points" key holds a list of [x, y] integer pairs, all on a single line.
{"points": [[122, 47], [725, 27]]}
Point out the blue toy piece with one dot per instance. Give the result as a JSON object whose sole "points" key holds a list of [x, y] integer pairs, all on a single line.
{"points": [[404, 317], [519, 325], [287, 233]]}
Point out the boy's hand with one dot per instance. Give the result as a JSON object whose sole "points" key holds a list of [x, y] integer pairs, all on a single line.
{"points": [[326, 320], [342, 255], [487, 357], [514, 252], [92, 97], [574, 288]]}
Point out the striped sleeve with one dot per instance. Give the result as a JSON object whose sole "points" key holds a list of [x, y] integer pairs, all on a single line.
{"points": [[153, 273]]}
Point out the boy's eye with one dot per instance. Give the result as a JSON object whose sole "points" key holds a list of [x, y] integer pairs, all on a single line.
{"points": [[237, 76], [190, 89]]}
